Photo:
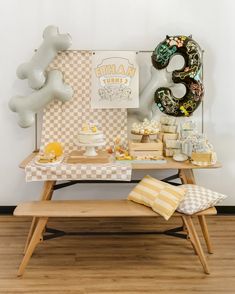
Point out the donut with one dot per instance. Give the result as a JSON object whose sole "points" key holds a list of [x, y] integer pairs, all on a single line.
{"points": [[190, 75]]}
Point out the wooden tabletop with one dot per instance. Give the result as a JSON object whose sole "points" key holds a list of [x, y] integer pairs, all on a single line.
{"points": [[170, 164]]}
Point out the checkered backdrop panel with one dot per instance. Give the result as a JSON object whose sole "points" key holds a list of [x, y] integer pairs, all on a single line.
{"points": [[62, 121]]}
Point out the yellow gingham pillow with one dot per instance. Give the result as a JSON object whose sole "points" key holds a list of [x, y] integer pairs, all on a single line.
{"points": [[162, 197]]}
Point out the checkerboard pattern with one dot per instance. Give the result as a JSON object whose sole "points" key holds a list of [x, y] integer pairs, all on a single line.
{"points": [[65, 171], [62, 121], [198, 198]]}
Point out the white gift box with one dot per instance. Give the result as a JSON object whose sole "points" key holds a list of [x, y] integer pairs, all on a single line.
{"points": [[171, 152], [169, 129], [188, 126], [187, 148], [186, 133], [168, 120], [175, 144], [165, 136]]}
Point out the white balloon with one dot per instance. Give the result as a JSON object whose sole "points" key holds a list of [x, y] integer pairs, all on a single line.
{"points": [[34, 70], [27, 106], [176, 63], [159, 78]]}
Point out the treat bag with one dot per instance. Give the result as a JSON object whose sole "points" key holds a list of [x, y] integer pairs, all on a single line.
{"points": [[187, 148]]}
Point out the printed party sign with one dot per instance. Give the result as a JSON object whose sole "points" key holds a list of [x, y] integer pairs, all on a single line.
{"points": [[115, 80]]}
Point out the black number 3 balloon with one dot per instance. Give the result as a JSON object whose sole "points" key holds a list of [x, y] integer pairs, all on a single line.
{"points": [[190, 75]]}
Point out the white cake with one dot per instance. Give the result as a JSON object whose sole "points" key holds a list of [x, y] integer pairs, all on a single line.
{"points": [[88, 137]]}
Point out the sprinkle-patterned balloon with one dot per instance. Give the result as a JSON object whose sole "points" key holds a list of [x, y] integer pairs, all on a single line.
{"points": [[190, 75]]}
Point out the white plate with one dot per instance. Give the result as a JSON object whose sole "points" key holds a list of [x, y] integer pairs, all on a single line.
{"points": [[199, 163], [60, 159]]}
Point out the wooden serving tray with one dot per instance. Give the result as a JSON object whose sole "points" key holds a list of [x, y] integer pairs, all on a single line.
{"points": [[150, 146], [146, 153], [77, 156]]}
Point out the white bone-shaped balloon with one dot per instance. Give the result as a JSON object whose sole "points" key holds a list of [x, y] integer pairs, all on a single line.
{"points": [[34, 70], [159, 78], [27, 106], [147, 94]]}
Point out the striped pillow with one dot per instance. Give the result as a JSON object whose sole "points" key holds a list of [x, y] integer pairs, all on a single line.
{"points": [[163, 198]]}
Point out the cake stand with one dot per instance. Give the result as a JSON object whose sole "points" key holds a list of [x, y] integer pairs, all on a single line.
{"points": [[145, 137], [90, 147]]}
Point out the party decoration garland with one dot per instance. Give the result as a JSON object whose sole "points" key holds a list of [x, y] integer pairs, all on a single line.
{"points": [[190, 75]]}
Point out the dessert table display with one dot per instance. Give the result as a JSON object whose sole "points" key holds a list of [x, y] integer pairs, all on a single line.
{"points": [[84, 144]]}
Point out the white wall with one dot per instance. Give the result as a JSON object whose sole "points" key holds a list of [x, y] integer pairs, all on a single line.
{"points": [[120, 25]]}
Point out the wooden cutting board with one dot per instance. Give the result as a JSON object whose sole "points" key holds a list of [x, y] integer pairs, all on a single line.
{"points": [[77, 156]]}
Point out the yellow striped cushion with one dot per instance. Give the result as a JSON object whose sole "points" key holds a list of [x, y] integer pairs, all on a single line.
{"points": [[162, 197]]}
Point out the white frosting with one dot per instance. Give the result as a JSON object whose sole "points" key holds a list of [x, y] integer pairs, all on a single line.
{"points": [[90, 138], [90, 132]]}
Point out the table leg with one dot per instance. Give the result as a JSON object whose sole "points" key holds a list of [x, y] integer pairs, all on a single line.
{"points": [[46, 195], [202, 222], [185, 230], [187, 177], [196, 242], [34, 240]]}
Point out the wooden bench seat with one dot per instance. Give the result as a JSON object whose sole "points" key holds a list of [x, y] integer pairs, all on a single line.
{"points": [[43, 210], [90, 208]]}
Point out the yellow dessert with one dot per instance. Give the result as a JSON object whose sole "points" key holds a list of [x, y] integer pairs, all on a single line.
{"points": [[53, 148], [48, 157], [85, 128], [94, 129]]}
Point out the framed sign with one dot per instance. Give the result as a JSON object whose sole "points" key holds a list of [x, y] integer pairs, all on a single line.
{"points": [[115, 79]]}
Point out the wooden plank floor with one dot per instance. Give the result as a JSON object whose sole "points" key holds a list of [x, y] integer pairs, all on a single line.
{"points": [[116, 263]]}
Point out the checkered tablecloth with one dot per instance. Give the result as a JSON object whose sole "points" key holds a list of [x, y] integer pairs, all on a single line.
{"points": [[64, 171], [62, 122]]}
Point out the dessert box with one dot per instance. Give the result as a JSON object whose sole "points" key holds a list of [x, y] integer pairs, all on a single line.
{"points": [[153, 148], [168, 152], [201, 157], [167, 136], [168, 120], [138, 146], [168, 129], [175, 144]]}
